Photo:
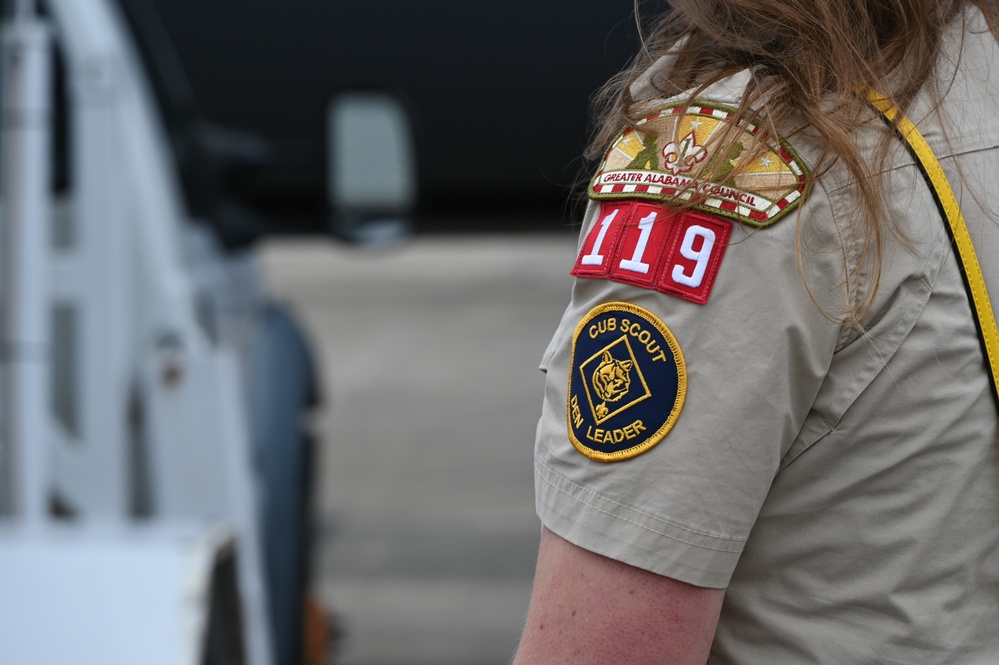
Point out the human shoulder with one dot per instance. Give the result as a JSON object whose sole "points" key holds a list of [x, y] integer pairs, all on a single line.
{"points": [[701, 154], [702, 150], [715, 172]]}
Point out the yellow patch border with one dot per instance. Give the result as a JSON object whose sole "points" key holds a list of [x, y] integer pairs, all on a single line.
{"points": [[681, 384]]}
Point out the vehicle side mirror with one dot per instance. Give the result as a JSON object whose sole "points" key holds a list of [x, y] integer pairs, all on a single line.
{"points": [[371, 168]]}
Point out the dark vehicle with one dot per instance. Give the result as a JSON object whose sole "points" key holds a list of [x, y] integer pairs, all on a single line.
{"points": [[497, 93]]}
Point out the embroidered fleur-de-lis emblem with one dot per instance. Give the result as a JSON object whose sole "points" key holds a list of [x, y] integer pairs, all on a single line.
{"points": [[683, 156]]}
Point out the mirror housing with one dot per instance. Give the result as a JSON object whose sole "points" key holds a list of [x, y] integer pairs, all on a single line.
{"points": [[371, 168]]}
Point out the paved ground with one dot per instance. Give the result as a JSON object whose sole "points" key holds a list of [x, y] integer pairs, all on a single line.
{"points": [[426, 512]]}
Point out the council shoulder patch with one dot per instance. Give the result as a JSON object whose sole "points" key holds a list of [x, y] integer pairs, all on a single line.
{"points": [[627, 382], [677, 154]]}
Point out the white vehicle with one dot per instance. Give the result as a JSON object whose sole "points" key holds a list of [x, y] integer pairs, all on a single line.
{"points": [[154, 466]]}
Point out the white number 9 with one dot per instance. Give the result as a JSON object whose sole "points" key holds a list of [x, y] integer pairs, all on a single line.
{"points": [[701, 256]]}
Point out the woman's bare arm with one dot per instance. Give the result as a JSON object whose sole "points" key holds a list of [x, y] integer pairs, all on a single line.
{"points": [[587, 609]]}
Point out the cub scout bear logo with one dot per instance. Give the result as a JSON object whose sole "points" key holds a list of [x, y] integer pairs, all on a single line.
{"points": [[611, 381]]}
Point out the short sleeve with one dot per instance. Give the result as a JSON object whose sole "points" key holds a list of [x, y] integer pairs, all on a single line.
{"points": [[744, 361]]}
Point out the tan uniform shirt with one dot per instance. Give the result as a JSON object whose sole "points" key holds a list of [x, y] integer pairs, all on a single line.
{"points": [[844, 487]]}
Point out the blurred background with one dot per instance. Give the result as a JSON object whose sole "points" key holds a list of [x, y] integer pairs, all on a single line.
{"points": [[299, 266], [496, 93]]}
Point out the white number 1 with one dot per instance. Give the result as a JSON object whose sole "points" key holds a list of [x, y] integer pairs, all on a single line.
{"points": [[701, 256], [595, 258], [635, 264]]}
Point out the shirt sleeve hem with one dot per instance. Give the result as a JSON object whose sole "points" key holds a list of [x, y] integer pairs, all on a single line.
{"points": [[601, 525]]}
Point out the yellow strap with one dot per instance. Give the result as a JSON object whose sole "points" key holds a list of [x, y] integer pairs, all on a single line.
{"points": [[959, 230]]}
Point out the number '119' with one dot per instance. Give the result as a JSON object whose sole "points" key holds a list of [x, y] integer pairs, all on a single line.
{"points": [[685, 245]]}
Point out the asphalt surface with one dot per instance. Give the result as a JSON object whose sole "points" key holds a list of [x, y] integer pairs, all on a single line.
{"points": [[425, 506]]}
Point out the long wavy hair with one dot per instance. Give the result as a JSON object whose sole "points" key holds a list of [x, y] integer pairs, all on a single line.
{"points": [[809, 62]]}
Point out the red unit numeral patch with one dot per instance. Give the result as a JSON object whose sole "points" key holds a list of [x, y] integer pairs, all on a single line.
{"points": [[653, 247]]}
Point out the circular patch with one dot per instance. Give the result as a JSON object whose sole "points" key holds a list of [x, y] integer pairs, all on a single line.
{"points": [[627, 381]]}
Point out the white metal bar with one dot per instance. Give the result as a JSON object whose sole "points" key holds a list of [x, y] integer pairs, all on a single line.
{"points": [[24, 182]]}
